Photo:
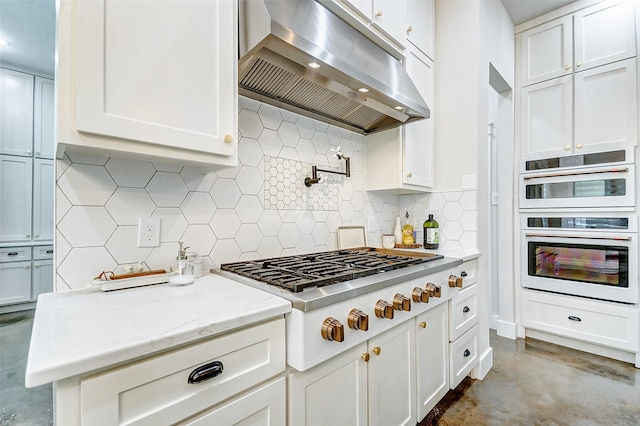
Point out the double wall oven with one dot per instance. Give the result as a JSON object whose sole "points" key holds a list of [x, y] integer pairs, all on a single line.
{"points": [[579, 230]]}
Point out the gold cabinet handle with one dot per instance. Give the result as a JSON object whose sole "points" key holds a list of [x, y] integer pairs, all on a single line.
{"points": [[579, 64], [379, 13], [579, 146], [567, 147], [567, 67], [228, 138], [409, 29], [365, 357], [376, 350], [409, 174], [422, 324]]}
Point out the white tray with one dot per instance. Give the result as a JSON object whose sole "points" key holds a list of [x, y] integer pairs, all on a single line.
{"points": [[132, 282]]}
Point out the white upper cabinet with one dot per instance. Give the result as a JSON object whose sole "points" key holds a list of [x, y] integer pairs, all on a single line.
{"points": [[604, 33], [149, 78], [43, 118], [390, 16], [546, 51], [16, 112], [421, 25], [606, 107], [594, 36]]}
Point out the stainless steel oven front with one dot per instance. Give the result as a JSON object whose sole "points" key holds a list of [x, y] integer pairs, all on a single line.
{"points": [[589, 255]]}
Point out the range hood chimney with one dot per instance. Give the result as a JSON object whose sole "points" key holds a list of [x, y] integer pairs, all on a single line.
{"points": [[299, 56]]}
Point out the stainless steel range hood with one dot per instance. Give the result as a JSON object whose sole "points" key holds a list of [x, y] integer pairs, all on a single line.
{"points": [[357, 86]]}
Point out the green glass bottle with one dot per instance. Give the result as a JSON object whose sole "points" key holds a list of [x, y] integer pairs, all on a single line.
{"points": [[431, 233]]}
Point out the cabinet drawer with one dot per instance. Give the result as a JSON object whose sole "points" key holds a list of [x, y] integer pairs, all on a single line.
{"points": [[15, 254], [468, 272], [156, 391], [463, 355], [263, 406], [463, 312], [603, 323], [42, 252]]}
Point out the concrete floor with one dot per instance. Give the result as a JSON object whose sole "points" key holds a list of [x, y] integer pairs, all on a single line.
{"points": [[531, 383]]}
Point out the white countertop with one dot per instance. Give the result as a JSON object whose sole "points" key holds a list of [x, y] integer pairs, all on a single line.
{"points": [[85, 330]]}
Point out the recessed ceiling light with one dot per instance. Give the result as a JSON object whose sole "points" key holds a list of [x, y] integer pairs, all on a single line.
{"points": [[363, 90], [313, 65], [399, 108], [3, 42]]}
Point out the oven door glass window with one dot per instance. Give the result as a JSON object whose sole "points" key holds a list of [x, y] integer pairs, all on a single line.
{"points": [[577, 189], [594, 264]]}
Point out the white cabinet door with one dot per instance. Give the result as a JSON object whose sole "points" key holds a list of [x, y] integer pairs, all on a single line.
{"points": [[42, 279], [15, 282], [606, 107], [334, 392], [419, 136], [421, 25], [43, 118], [265, 406], [392, 380], [432, 358], [546, 118], [16, 112], [43, 190], [15, 198], [546, 51], [390, 16], [163, 73], [604, 33]]}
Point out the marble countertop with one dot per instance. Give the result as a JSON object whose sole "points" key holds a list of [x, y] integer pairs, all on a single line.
{"points": [[80, 331]]}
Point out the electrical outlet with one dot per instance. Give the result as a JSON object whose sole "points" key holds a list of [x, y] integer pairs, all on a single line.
{"points": [[148, 232]]}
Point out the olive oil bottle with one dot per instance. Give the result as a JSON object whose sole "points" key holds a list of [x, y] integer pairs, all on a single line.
{"points": [[431, 233]]}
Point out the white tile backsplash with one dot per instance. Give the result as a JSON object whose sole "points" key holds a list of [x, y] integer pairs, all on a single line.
{"points": [[230, 214]]}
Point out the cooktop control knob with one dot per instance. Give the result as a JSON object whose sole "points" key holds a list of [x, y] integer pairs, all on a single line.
{"points": [[419, 295], [358, 320], [401, 303], [455, 281], [434, 290], [332, 330], [384, 309]]}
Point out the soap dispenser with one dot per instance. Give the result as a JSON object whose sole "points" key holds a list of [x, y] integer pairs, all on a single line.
{"points": [[185, 268]]}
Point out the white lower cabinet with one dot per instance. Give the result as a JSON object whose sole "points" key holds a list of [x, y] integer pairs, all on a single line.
{"points": [[192, 384], [463, 329], [332, 393], [598, 322], [463, 356], [24, 275], [15, 282], [42, 278], [432, 358]]}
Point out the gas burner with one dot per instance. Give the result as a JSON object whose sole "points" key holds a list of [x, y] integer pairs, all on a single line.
{"points": [[295, 273]]}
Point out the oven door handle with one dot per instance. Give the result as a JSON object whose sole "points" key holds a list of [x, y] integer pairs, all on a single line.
{"points": [[577, 173], [594, 237]]}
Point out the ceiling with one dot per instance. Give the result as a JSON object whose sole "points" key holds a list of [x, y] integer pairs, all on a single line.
{"points": [[522, 10], [29, 28]]}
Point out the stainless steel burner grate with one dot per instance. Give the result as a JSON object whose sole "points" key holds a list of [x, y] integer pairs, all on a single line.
{"points": [[295, 273]]}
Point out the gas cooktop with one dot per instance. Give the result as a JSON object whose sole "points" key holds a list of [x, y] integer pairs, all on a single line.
{"points": [[297, 272]]}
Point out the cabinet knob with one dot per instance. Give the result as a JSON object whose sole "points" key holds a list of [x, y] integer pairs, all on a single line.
{"points": [[466, 309], [422, 324], [384, 309], [579, 146], [28, 235], [567, 147], [409, 29], [466, 353], [379, 13], [365, 356], [228, 138], [579, 64], [27, 267], [332, 330], [28, 151], [567, 67], [401, 303], [376, 350], [409, 174], [37, 152], [358, 320]]}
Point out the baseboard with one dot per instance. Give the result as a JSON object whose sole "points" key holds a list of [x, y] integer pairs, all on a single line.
{"points": [[17, 307], [507, 329], [484, 365], [605, 351], [493, 322]]}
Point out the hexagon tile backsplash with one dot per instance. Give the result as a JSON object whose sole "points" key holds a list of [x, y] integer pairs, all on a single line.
{"points": [[233, 213]]}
